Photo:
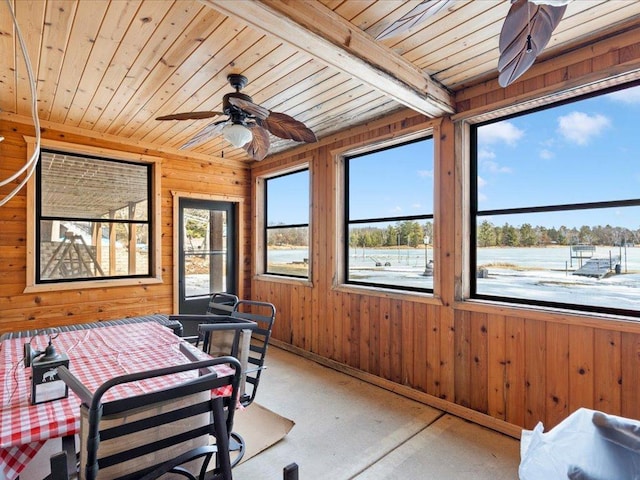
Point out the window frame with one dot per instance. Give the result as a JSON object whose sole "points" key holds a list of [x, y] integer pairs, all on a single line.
{"points": [[344, 222], [476, 215], [260, 205], [154, 199]]}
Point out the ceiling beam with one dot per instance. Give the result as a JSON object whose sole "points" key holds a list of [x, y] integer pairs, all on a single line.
{"points": [[315, 29]]}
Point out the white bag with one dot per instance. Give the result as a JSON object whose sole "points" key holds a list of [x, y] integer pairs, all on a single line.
{"points": [[578, 449]]}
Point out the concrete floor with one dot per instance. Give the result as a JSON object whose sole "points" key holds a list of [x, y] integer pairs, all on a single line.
{"points": [[348, 429]]}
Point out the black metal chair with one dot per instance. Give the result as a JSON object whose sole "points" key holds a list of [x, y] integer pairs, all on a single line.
{"points": [[221, 304], [223, 334], [145, 436], [262, 315]]}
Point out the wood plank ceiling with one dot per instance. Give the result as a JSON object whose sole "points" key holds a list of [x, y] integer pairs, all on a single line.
{"points": [[112, 67]]}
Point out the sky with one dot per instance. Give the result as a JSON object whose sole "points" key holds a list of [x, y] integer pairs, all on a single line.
{"points": [[585, 151]]}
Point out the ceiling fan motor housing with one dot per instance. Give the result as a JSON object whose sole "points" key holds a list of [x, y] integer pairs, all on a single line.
{"points": [[237, 115]]}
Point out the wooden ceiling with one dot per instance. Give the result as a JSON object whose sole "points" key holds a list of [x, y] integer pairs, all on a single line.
{"points": [[112, 67]]}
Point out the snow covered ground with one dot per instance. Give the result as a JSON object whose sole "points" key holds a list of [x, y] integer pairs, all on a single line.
{"points": [[543, 274]]}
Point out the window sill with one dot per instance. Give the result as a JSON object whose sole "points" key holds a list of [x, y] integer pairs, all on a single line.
{"points": [[551, 314], [124, 282], [420, 297], [265, 277]]}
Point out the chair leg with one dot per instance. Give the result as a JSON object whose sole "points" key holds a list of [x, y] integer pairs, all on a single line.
{"points": [[58, 464], [290, 472]]}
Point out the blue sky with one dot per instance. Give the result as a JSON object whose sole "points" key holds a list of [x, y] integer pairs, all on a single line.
{"points": [[585, 151], [580, 152]]}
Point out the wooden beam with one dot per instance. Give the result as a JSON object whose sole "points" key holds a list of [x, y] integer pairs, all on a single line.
{"points": [[317, 30]]}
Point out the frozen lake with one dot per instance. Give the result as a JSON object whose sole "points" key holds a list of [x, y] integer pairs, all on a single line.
{"points": [[544, 274]]}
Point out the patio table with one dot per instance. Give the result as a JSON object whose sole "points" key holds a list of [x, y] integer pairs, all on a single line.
{"points": [[95, 355]]}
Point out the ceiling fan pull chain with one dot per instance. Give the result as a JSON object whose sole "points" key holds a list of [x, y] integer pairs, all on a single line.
{"points": [[529, 46]]}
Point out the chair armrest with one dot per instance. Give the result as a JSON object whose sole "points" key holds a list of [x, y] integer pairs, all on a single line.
{"points": [[194, 317], [228, 324], [75, 385]]}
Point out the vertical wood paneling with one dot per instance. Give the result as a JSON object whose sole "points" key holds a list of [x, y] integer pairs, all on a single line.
{"points": [[557, 366], [515, 370], [407, 349], [395, 342], [365, 334], [375, 327], [337, 322], [354, 333], [385, 338], [630, 393], [463, 359], [447, 353], [496, 366], [478, 363], [432, 336], [420, 334], [296, 322], [607, 370], [535, 372], [581, 363]]}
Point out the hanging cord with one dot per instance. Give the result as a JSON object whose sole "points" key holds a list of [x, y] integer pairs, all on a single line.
{"points": [[30, 165]]}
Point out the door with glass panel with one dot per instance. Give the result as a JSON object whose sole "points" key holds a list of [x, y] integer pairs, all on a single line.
{"points": [[207, 252]]}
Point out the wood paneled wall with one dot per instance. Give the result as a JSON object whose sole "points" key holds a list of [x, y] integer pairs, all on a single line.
{"points": [[198, 175], [505, 365]]}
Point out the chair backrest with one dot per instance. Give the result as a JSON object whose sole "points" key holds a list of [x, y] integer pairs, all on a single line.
{"points": [[264, 314], [129, 437], [222, 303]]}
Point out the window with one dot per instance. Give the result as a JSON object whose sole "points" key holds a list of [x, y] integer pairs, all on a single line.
{"points": [[93, 218], [389, 216], [287, 224], [556, 206]]}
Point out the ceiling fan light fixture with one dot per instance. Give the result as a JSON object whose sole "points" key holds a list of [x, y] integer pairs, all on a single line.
{"points": [[237, 134]]}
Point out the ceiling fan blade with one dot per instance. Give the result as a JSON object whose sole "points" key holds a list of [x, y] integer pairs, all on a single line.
{"points": [[284, 126], [258, 147], [190, 116], [525, 18], [205, 134], [416, 16], [250, 107]]}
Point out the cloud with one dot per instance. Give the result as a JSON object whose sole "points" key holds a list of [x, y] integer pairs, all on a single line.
{"points": [[546, 154], [425, 173], [485, 153], [500, 132], [481, 182], [493, 167], [629, 96], [580, 127]]}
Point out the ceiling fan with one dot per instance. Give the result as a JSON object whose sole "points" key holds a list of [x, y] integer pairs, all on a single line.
{"points": [[248, 125], [525, 32]]}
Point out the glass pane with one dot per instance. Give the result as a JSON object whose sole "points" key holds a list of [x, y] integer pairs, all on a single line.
{"points": [[288, 251], [392, 254], [74, 250], [90, 188], [585, 257], [288, 199], [585, 151], [205, 251], [396, 182]]}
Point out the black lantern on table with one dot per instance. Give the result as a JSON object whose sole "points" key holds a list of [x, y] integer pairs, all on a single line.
{"points": [[45, 383]]}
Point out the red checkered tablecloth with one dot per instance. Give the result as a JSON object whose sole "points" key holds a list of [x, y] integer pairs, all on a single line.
{"points": [[95, 355]]}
